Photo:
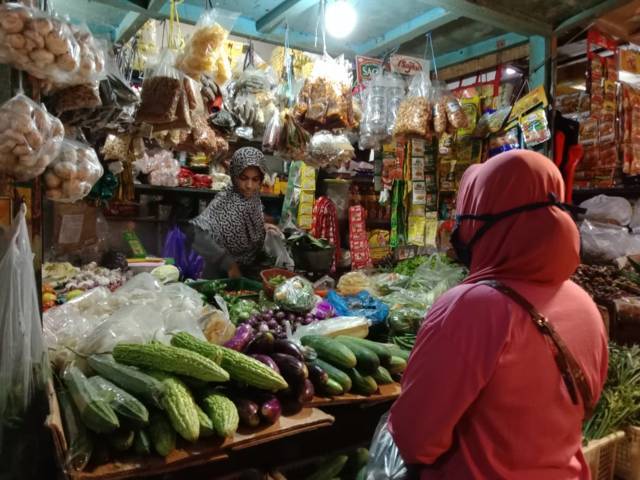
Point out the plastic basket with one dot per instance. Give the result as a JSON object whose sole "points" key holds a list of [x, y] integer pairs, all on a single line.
{"points": [[267, 275], [242, 283], [628, 455], [600, 455]]}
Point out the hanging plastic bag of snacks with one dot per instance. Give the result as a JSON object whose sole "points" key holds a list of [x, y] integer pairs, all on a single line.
{"points": [[204, 51], [455, 114], [74, 172], [293, 140], [42, 45], [373, 128], [535, 127], [29, 138], [253, 100], [272, 133], [325, 99], [327, 149], [395, 94], [162, 90], [439, 108], [76, 97], [414, 113]]}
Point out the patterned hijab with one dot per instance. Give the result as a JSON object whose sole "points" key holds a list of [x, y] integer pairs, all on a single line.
{"points": [[236, 222]]}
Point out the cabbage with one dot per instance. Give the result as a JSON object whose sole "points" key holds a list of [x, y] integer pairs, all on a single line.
{"points": [[166, 273]]}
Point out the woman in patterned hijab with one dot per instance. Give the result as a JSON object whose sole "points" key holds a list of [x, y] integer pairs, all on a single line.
{"points": [[231, 230]]}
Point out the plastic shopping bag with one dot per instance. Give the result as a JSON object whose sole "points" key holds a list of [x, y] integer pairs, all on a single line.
{"points": [[191, 264], [385, 461], [24, 367], [275, 246]]}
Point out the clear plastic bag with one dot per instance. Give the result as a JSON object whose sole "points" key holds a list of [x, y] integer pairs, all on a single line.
{"points": [[77, 96], [439, 108], [414, 113], [276, 247], [73, 173], [605, 242], [295, 294], [30, 138], [351, 326], [162, 90], [42, 45], [375, 105], [385, 461], [329, 150], [455, 114], [204, 50], [24, 367], [606, 209], [253, 100], [272, 133]]}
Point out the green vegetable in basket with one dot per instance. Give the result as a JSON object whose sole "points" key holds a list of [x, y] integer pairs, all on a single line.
{"points": [[277, 280], [295, 294]]}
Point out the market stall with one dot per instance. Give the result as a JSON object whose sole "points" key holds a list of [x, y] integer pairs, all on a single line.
{"points": [[111, 145]]}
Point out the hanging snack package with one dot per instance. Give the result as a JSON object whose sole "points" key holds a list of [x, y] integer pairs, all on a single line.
{"points": [[29, 138], [455, 115], [74, 172], [373, 128], [395, 94], [414, 113], [293, 140], [471, 110], [162, 90], [439, 108], [253, 100], [535, 127], [42, 45], [327, 149], [325, 99], [204, 50], [76, 97], [272, 133]]}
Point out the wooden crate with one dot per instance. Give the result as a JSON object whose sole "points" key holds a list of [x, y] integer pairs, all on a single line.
{"points": [[628, 455], [601, 456]]}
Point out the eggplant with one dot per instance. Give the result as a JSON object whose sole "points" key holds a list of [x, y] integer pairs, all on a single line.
{"points": [[288, 347], [248, 412], [244, 334], [294, 371], [271, 409], [267, 360], [290, 405], [307, 392], [317, 375], [262, 343]]}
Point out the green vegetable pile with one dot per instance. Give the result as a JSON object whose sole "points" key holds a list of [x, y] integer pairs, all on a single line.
{"points": [[277, 280], [619, 405]]}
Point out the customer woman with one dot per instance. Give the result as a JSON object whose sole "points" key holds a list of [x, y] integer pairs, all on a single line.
{"points": [[230, 232], [488, 393]]}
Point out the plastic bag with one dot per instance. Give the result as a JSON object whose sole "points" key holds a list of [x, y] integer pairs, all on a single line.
{"points": [[191, 264], [295, 294], [327, 149], [253, 100], [76, 97], [30, 138], [332, 327], [205, 48], [42, 45], [385, 283], [603, 242], [24, 367], [634, 223], [606, 209], [353, 283], [276, 247], [73, 173], [272, 133], [162, 90], [414, 113], [385, 462], [373, 128], [360, 305], [535, 127]]}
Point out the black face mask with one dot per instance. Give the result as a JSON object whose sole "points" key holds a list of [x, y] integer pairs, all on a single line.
{"points": [[463, 251]]}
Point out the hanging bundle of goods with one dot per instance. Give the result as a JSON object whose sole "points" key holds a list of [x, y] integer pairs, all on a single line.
{"points": [[380, 102], [74, 172]]}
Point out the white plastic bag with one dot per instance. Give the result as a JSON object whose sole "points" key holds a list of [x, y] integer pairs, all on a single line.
{"points": [[73, 173], [603, 242], [605, 209], [385, 462], [24, 367], [275, 246]]}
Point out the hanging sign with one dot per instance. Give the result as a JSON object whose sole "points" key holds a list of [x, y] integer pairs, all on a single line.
{"points": [[406, 65], [366, 68]]}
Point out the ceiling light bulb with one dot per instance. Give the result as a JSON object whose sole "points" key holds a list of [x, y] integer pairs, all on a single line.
{"points": [[510, 71], [340, 18]]}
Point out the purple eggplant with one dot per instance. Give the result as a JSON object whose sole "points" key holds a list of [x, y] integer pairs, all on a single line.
{"points": [[243, 335], [307, 392], [289, 348], [317, 375], [262, 343], [248, 412], [267, 360], [290, 405], [270, 409], [293, 370]]}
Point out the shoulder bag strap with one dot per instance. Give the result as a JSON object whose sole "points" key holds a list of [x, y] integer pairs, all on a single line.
{"points": [[570, 370]]}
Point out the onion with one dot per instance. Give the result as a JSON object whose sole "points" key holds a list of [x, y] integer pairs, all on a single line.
{"points": [[280, 316], [272, 324], [263, 327], [291, 317], [307, 321]]}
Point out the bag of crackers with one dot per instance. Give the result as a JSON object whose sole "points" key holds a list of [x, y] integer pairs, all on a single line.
{"points": [[414, 113]]}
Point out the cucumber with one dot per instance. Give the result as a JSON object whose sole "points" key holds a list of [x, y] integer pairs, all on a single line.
{"points": [[367, 361], [362, 384], [126, 406], [397, 365], [336, 374], [94, 411], [331, 388], [376, 347], [130, 379], [142, 443], [362, 473], [396, 351], [382, 376], [357, 460], [330, 350], [162, 434], [121, 440], [330, 468], [79, 442]]}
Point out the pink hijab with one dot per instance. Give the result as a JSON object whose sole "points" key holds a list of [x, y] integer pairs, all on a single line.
{"points": [[539, 246]]}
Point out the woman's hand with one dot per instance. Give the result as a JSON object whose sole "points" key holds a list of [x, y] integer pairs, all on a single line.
{"points": [[270, 227], [234, 271]]}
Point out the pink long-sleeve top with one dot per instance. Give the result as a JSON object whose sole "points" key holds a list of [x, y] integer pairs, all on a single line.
{"points": [[482, 397]]}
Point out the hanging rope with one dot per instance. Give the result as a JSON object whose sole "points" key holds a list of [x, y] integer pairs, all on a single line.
{"points": [[176, 41], [433, 55], [321, 24]]}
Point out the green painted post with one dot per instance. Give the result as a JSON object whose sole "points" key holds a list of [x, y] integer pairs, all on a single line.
{"points": [[539, 55]]}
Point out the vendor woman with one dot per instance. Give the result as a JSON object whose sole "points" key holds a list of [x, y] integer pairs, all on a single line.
{"points": [[230, 232]]}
